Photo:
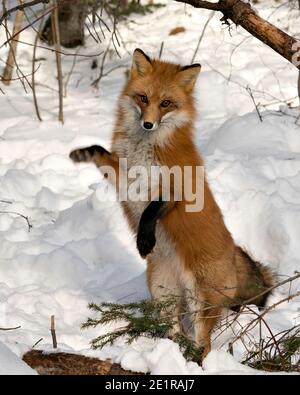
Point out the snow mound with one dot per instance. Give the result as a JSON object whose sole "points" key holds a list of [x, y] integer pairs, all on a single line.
{"points": [[11, 364]]}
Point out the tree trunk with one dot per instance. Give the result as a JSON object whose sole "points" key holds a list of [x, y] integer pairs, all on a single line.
{"points": [[12, 53], [71, 19]]}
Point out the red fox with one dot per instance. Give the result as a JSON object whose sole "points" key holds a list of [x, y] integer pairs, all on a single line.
{"points": [[188, 253]]}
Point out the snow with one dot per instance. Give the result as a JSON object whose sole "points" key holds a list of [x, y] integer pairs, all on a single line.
{"points": [[80, 249], [10, 364], [260, 171]]}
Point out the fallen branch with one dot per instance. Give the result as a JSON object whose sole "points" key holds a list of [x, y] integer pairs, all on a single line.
{"points": [[71, 364]]}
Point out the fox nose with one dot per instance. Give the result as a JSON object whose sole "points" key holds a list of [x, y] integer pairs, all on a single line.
{"points": [[148, 125]]}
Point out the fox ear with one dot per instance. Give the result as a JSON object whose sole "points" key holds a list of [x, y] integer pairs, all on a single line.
{"points": [[188, 76], [141, 63]]}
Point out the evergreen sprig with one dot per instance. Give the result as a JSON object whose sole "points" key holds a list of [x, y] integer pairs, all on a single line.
{"points": [[149, 318]]}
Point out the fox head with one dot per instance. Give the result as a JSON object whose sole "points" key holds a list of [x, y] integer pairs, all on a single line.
{"points": [[158, 98]]}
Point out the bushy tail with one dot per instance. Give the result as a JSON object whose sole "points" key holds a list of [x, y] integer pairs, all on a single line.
{"points": [[254, 279]]}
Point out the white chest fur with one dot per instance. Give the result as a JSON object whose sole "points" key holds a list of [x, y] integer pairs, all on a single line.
{"points": [[139, 154]]}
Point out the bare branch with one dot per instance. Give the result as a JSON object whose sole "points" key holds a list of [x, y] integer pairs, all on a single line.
{"points": [[242, 14], [201, 36], [11, 58], [6, 201], [13, 37], [20, 215], [249, 90], [202, 4], [37, 342], [10, 329], [56, 36], [36, 106], [21, 7], [62, 52]]}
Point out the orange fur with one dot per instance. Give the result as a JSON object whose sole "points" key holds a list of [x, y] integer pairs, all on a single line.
{"points": [[203, 258]]}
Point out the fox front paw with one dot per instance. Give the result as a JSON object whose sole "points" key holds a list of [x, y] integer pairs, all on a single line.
{"points": [[145, 242], [86, 154]]}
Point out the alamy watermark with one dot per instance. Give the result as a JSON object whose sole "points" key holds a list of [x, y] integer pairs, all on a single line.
{"points": [[144, 184]]}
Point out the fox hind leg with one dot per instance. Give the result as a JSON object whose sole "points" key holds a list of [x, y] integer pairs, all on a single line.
{"points": [[204, 316], [205, 326], [163, 285]]}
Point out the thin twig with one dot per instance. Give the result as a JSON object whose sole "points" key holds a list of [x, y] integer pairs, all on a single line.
{"points": [[202, 4], [249, 90], [255, 321], [36, 106], [94, 29], [53, 333], [36, 343], [62, 52], [13, 37], [20, 215], [202, 35], [161, 50], [6, 201], [261, 319], [101, 70], [24, 76], [286, 299], [70, 73], [270, 289], [20, 7], [283, 334], [10, 329]]}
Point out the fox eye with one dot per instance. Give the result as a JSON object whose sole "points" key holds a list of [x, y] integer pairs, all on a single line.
{"points": [[165, 103], [144, 98]]}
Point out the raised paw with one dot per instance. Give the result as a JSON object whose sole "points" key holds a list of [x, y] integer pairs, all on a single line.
{"points": [[145, 242], [86, 154], [80, 155]]}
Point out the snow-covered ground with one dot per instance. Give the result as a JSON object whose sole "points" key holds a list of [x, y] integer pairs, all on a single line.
{"points": [[78, 248]]}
